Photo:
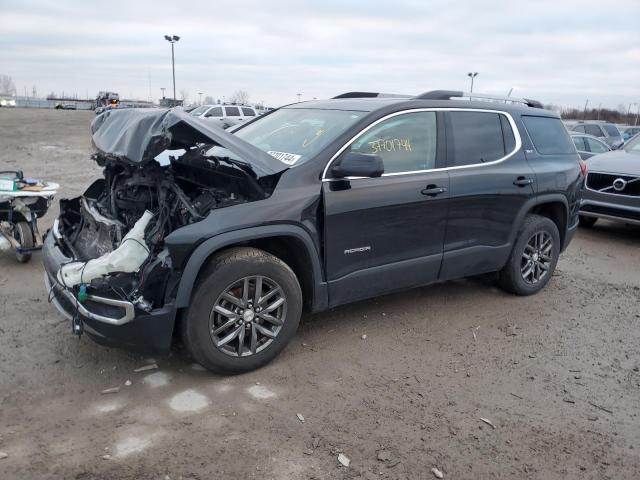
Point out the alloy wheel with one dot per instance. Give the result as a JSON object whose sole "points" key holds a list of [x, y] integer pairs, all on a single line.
{"points": [[537, 257], [247, 316]]}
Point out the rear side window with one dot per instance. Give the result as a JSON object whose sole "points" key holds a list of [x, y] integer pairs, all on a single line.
{"points": [[477, 137], [232, 111], [595, 146], [579, 129], [548, 135], [579, 143], [611, 130], [248, 112], [214, 112], [593, 130]]}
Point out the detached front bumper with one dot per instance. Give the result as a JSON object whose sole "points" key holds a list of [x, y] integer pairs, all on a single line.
{"points": [[108, 321]]}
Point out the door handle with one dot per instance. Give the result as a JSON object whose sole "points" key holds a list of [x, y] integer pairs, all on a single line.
{"points": [[523, 181], [433, 190]]}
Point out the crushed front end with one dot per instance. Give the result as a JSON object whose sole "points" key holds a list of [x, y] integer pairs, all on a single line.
{"points": [[107, 267]]}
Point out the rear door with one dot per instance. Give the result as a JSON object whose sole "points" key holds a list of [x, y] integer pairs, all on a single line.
{"points": [[232, 115], [386, 233], [490, 181]]}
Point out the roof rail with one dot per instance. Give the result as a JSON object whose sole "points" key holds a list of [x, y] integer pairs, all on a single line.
{"points": [[449, 94], [370, 95]]}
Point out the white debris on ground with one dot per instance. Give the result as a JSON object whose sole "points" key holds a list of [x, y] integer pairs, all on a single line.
{"points": [[344, 460], [157, 379], [151, 366], [110, 390], [3, 455], [130, 445], [108, 407], [488, 422], [437, 473], [260, 392], [300, 417], [188, 401]]}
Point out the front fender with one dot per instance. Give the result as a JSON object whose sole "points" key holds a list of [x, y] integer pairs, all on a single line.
{"points": [[218, 242]]}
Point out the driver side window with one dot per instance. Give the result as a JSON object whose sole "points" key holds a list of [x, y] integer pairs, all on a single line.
{"points": [[406, 142]]}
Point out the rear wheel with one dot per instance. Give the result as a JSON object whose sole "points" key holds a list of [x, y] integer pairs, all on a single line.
{"points": [[534, 257], [24, 236], [245, 309], [587, 222]]}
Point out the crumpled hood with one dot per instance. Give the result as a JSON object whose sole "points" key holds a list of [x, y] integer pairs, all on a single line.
{"points": [[616, 161], [137, 135]]}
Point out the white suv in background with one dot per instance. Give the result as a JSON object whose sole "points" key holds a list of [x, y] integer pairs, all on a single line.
{"points": [[225, 115]]}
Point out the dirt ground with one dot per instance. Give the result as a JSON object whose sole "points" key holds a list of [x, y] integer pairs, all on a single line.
{"points": [[556, 374]]}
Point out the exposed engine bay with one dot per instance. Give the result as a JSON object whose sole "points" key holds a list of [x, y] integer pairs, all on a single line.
{"points": [[163, 170], [117, 228]]}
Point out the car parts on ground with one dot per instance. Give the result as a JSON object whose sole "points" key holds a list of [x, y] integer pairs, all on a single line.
{"points": [[22, 202]]}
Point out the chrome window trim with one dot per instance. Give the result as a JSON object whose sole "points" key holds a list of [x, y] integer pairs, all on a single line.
{"points": [[613, 195], [512, 123]]}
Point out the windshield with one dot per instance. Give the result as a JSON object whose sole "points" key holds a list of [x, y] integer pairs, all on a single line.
{"points": [[611, 130], [293, 135], [633, 145], [199, 111]]}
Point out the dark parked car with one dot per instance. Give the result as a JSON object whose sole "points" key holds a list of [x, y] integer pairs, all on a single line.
{"points": [[227, 237], [613, 186], [605, 131], [587, 145]]}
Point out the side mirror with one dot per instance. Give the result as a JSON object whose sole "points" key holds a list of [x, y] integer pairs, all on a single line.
{"points": [[358, 165]]}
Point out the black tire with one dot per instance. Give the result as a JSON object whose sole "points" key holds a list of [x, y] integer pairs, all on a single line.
{"points": [[224, 270], [587, 222], [512, 278], [24, 235]]}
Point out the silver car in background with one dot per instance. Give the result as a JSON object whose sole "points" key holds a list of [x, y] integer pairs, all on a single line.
{"points": [[588, 145], [225, 116], [612, 186], [605, 131]]}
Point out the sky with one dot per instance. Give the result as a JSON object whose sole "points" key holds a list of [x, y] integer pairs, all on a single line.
{"points": [[560, 52]]}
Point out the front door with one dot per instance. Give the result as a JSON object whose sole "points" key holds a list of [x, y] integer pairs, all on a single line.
{"points": [[386, 233]]}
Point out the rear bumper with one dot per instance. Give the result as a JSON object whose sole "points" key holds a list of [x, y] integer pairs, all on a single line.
{"points": [[108, 321]]}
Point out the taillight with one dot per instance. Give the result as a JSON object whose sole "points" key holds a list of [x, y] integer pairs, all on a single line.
{"points": [[583, 167]]}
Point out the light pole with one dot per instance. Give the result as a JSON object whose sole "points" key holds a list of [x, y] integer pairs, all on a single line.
{"points": [[472, 75], [173, 39], [584, 113], [599, 108], [200, 93]]}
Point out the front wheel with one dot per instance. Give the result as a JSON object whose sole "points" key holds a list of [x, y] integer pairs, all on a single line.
{"points": [[24, 236], [534, 257], [245, 310]]}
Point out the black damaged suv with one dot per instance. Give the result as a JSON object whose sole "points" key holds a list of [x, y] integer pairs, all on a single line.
{"points": [[226, 237]]}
